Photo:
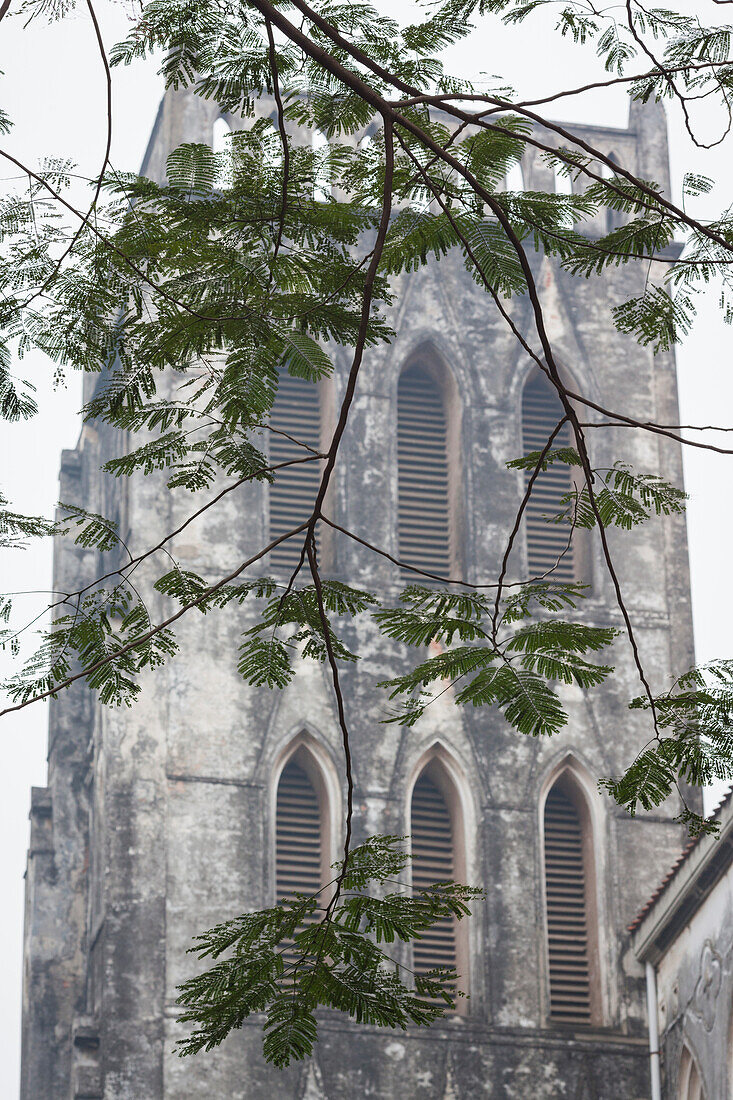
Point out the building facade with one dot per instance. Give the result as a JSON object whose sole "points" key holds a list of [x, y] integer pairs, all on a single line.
{"points": [[210, 797], [684, 936]]}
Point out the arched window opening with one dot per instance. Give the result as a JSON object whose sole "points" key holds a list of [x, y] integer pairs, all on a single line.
{"points": [[548, 545], [690, 1082], [322, 181], [570, 909], [296, 425], [299, 831], [515, 177], [564, 186], [437, 856], [367, 147], [614, 218], [563, 182], [219, 136], [423, 515], [608, 171]]}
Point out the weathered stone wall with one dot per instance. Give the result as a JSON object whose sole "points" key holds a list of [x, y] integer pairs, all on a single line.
{"points": [[160, 818], [695, 995], [56, 877]]}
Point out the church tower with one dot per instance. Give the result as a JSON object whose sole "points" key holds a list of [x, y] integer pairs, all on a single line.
{"points": [[209, 797]]}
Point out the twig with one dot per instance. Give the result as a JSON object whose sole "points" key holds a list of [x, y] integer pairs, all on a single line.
{"points": [[205, 595], [284, 142], [102, 170], [340, 710], [518, 520]]}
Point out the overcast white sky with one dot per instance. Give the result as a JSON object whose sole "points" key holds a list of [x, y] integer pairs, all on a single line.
{"points": [[53, 89]]}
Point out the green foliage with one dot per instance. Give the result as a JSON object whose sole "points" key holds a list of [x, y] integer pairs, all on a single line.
{"points": [[16, 528], [694, 184], [527, 599], [184, 587], [324, 951], [621, 496], [16, 403], [514, 670], [567, 455], [553, 649], [428, 616], [92, 530], [159, 453], [656, 317], [497, 259], [190, 297], [192, 168], [111, 636], [266, 659], [305, 357], [694, 744]]}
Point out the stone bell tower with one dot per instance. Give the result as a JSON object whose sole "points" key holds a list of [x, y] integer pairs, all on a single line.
{"points": [[160, 820]]}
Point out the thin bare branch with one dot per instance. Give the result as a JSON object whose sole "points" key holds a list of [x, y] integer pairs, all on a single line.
{"points": [[143, 638], [100, 176]]}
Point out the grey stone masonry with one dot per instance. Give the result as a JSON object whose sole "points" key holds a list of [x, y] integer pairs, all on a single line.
{"points": [[158, 820], [685, 932]]}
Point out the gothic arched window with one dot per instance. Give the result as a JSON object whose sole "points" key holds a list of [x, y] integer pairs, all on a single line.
{"points": [[295, 420], [690, 1083], [563, 182], [219, 134], [437, 856], [424, 507], [572, 950], [547, 543], [614, 218], [514, 180], [322, 180], [300, 840]]}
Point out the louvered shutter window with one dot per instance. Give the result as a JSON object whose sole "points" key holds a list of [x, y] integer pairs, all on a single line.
{"points": [[422, 459], [433, 861], [298, 838], [297, 412], [541, 410], [567, 915]]}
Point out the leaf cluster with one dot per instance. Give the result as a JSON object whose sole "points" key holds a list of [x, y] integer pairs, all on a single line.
{"points": [[695, 743], [266, 658], [110, 635], [16, 528], [191, 296], [515, 669], [621, 496], [324, 951]]}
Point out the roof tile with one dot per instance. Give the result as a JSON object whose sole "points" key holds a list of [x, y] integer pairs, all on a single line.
{"points": [[681, 858]]}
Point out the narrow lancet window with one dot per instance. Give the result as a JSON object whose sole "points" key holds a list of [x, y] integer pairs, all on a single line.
{"points": [[563, 182], [219, 135], [514, 180], [299, 842], [296, 426], [433, 860], [569, 927], [614, 218], [548, 545], [322, 180], [424, 527]]}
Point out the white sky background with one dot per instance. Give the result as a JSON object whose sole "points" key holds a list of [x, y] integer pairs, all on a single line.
{"points": [[53, 89]]}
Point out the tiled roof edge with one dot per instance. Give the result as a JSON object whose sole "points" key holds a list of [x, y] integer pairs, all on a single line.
{"points": [[676, 866]]}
